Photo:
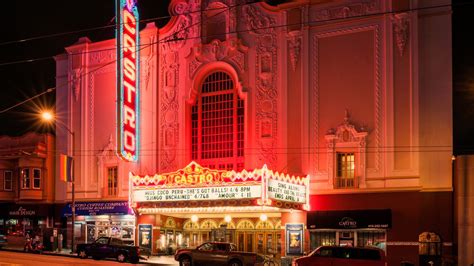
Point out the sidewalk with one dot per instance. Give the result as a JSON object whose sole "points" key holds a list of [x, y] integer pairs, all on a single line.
{"points": [[152, 260]]}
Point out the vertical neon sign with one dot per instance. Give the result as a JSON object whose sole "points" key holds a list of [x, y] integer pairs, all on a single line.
{"points": [[128, 75]]}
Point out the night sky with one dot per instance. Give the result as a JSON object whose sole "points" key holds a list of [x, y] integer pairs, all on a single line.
{"points": [[23, 19]]}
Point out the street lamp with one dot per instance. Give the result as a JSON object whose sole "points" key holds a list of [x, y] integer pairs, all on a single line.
{"points": [[47, 116]]}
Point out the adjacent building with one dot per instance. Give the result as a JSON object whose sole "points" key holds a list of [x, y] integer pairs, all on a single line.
{"points": [[27, 182], [279, 128]]}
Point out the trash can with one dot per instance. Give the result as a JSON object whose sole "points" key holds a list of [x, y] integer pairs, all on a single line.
{"points": [[407, 263]]}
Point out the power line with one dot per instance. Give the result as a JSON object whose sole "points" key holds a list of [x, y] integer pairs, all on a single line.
{"points": [[311, 23], [139, 48], [59, 34], [173, 38]]}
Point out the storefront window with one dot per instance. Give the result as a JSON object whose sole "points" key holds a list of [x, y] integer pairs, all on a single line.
{"points": [[8, 180], [36, 178], [25, 176], [322, 238], [371, 239]]}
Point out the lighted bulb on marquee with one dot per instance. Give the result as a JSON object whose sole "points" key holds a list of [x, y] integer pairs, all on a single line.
{"points": [[127, 79]]}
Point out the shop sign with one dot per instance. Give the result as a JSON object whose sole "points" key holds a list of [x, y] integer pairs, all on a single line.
{"points": [[98, 208], [348, 222], [205, 193], [22, 212], [350, 219], [284, 191], [128, 75]]}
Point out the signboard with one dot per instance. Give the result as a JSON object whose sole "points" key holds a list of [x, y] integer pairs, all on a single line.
{"points": [[128, 75], [205, 193], [22, 212], [97, 208], [285, 191], [197, 183], [145, 234], [350, 219], [294, 239]]}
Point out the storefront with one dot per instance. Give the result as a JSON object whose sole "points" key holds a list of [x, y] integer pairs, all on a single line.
{"points": [[349, 228], [97, 219], [20, 219], [257, 210]]}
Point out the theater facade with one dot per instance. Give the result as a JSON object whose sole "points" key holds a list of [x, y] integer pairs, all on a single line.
{"points": [[196, 204], [276, 127]]}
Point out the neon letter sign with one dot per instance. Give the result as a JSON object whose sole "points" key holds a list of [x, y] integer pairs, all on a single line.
{"points": [[127, 79]]}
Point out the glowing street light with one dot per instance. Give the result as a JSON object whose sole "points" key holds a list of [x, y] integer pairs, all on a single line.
{"points": [[48, 117]]}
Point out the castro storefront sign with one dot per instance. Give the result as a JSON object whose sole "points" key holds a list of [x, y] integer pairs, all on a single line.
{"points": [[128, 75], [195, 183]]}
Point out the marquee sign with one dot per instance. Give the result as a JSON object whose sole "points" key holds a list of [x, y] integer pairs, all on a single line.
{"points": [[197, 183], [127, 79]]}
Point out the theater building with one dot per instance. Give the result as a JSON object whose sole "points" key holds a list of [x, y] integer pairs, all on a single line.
{"points": [[347, 102]]}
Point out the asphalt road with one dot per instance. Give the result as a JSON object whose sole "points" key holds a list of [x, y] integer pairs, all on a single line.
{"points": [[17, 259]]}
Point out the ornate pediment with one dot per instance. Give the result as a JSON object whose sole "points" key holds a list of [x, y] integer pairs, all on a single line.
{"points": [[231, 51], [347, 132], [108, 152]]}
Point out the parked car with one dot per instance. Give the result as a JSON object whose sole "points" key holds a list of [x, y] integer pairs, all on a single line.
{"points": [[3, 241], [217, 253], [108, 247], [343, 256]]}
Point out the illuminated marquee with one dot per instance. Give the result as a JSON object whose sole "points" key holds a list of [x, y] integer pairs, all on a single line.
{"points": [[195, 183], [127, 79]]}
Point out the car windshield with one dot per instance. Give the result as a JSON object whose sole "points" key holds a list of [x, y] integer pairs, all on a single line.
{"points": [[205, 247], [102, 240]]}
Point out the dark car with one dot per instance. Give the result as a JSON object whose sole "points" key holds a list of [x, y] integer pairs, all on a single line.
{"points": [[217, 253], [3, 241], [108, 247], [343, 256]]}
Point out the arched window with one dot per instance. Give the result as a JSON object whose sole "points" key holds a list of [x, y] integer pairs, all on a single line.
{"points": [[217, 118]]}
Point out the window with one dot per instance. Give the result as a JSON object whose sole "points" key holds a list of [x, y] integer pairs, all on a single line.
{"points": [[25, 177], [217, 124], [112, 181], [322, 238], [36, 178], [345, 170], [371, 239], [430, 244], [8, 180]]}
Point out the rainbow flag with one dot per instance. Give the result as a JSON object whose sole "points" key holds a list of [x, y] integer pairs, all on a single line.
{"points": [[65, 168]]}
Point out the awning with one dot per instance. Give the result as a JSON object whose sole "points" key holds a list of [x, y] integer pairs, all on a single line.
{"points": [[350, 219], [98, 208]]}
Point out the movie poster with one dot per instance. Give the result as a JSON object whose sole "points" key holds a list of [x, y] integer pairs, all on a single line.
{"points": [[294, 239], [145, 237]]}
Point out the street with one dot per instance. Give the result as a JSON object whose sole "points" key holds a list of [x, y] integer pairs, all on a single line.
{"points": [[17, 258]]}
